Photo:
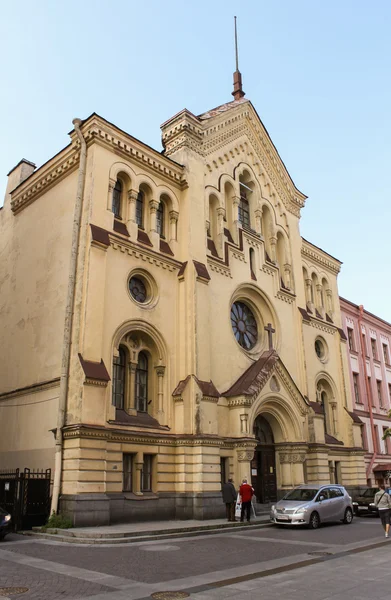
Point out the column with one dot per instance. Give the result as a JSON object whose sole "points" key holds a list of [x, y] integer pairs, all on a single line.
{"points": [[329, 301], [273, 248], [173, 225], [318, 302], [139, 463], [110, 194], [160, 375], [287, 271], [244, 457], [258, 220], [153, 206], [244, 423], [131, 219], [220, 230], [333, 406], [235, 218], [131, 407]]}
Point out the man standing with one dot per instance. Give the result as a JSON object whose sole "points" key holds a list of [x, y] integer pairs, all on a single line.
{"points": [[246, 493], [229, 497], [383, 504]]}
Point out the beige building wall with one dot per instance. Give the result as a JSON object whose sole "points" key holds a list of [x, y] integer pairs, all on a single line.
{"points": [[207, 394]]}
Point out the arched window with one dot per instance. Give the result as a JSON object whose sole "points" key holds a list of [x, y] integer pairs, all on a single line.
{"points": [[160, 219], [119, 364], [141, 391], [244, 207], [140, 209], [117, 194]]}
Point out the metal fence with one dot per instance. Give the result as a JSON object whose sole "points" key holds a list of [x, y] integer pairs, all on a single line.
{"points": [[26, 496]]}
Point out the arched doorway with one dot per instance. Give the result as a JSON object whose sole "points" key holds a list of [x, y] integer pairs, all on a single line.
{"points": [[263, 464]]}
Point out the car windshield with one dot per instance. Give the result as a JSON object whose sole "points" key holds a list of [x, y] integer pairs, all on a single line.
{"points": [[301, 494], [370, 493]]}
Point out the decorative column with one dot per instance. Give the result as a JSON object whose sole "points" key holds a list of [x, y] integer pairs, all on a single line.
{"points": [[329, 304], [160, 375], [273, 248], [258, 220], [333, 406], [131, 407], [286, 471], [131, 220], [244, 457], [235, 218], [139, 463], [288, 279], [173, 225], [220, 229], [110, 194], [153, 206], [244, 423], [318, 297]]}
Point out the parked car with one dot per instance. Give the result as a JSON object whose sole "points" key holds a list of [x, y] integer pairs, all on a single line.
{"points": [[312, 505], [5, 523], [364, 503]]}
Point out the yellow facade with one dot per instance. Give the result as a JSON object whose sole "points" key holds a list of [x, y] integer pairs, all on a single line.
{"points": [[211, 229]]}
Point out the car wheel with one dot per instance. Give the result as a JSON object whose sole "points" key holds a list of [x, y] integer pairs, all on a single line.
{"points": [[314, 521], [348, 518]]}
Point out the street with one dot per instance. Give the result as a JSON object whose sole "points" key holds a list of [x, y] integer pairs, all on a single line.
{"points": [[265, 563]]}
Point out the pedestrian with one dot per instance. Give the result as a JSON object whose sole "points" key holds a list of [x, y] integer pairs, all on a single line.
{"points": [[383, 504], [246, 493], [229, 497]]}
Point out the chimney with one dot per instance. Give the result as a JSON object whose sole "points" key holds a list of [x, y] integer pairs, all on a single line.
{"points": [[19, 173]]}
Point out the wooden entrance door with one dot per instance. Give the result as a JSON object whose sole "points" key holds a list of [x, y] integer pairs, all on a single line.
{"points": [[263, 474]]}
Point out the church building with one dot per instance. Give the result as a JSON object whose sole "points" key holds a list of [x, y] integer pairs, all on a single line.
{"points": [[164, 326]]}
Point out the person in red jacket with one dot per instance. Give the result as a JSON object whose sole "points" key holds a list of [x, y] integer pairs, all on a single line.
{"points": [[246, 493]]}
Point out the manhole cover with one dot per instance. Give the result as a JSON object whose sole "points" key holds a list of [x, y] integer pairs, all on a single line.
{"points": [[12, 591], [320, 553], [169, 595]]}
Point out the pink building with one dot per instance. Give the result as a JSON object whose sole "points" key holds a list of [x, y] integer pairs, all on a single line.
{"points": [[369, 348]]}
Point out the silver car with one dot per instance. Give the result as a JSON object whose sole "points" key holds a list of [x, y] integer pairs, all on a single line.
{"points": [[312, 505]]}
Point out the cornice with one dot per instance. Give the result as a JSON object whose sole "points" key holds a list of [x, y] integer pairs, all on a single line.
{"points": [[44, 178], [321, 326], [31, 389], [99, 131], [144, 254], [322, 259]]}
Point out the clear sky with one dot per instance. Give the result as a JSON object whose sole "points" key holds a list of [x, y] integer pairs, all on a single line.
{"points": [[317, 72]]}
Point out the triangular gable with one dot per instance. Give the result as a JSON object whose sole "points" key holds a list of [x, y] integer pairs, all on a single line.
{"points": [[254, 379]]}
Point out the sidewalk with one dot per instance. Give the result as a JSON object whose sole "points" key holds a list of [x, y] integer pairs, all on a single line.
{"points": [[144, 531]]}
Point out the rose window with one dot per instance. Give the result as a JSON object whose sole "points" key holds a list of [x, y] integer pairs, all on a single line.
{"points": [[244, 325], [137, 289]]}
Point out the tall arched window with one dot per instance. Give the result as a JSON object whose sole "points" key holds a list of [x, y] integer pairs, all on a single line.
{"points": [[140, 209], [119, 364], [141, 391], [160, 219], [244, 207], [117, 193]]}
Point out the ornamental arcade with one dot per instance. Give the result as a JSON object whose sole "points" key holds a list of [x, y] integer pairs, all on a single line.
{"points": [[202, 335]]}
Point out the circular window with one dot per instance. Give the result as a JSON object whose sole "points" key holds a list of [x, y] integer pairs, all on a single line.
{"points": [[321, 349], [142, 288], [138, 289], [244, 325]]}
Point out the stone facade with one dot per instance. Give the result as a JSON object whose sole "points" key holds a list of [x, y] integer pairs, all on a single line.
{"points": [[201, 323]]}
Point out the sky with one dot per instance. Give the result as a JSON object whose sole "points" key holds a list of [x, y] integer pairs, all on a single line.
{"points": [[318, 74]]}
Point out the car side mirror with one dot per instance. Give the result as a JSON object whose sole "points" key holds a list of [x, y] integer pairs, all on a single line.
{"points": [[321, 498]]}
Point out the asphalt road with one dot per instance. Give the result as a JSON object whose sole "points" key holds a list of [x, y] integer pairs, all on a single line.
{"points": [[53, 570]]}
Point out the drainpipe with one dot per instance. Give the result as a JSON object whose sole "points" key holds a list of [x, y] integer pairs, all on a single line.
{"points": [[66, 349], [368, 389]]}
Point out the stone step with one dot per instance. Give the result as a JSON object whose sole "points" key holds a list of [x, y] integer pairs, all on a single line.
{"points": [[66, 535]]}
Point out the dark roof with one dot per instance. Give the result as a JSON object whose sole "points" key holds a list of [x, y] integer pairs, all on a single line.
{"points": [[182, 269], [120, 227], [140, 420], [342, 334], [255, 373], [201, 270], [329, 439], [208, 388], [100, 235], [304, 314], [212, 248], [143, 238], [164, 247], [181, 386], [94, 370], [329, 319], [317, 408], [355, 418]]}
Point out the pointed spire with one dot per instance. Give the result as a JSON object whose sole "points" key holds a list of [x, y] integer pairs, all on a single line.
{"points": [[238, 92]]}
